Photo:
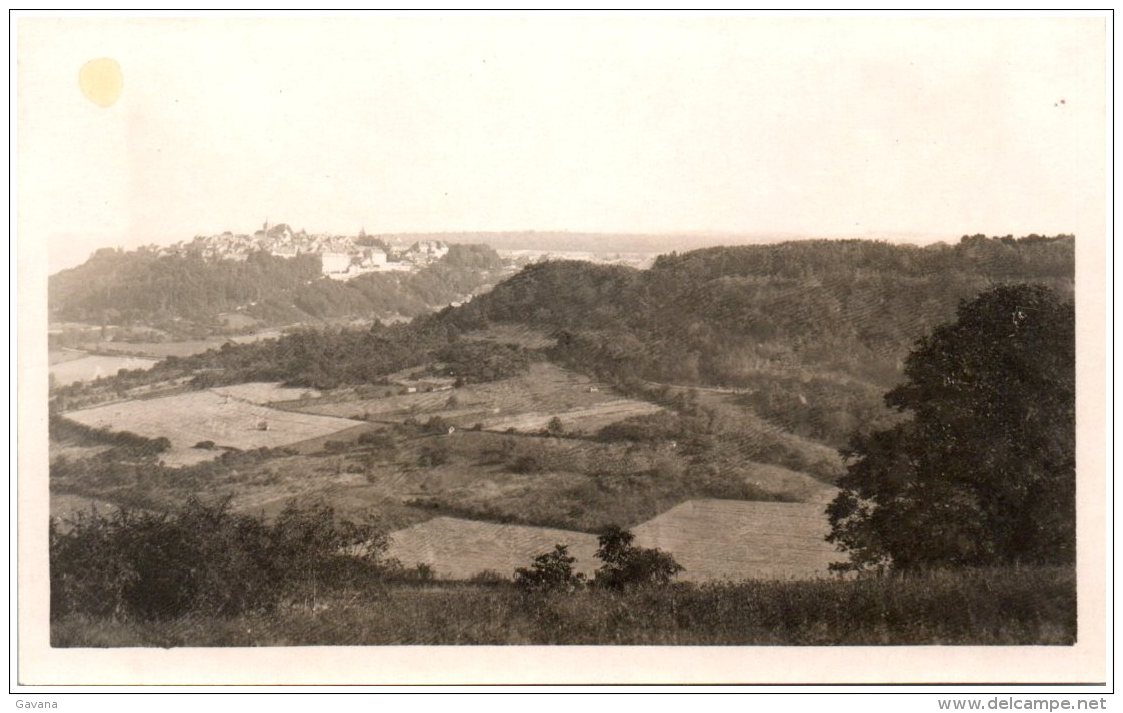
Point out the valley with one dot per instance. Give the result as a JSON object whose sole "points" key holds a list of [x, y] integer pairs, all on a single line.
{"points": [[536, 448], [702, 405]]}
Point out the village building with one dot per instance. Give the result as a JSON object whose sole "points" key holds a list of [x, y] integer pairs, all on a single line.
{"points": [[333, 263], [372, 258], [342, 257]]}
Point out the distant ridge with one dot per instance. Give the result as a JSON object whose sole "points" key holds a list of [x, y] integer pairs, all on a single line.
{"points": [[577, 240], [581, 241]]}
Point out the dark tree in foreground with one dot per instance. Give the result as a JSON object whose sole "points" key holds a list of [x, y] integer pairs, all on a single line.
{"points": [[985, 470]]}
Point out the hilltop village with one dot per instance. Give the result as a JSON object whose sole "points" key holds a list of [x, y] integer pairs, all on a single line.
{"points": [[342, 257]]}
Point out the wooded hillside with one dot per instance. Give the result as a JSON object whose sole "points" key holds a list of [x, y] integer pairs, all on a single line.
{"points": [[141, 287]]}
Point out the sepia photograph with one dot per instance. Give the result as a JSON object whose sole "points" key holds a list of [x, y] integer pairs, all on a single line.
{"points": [[548, 348]]}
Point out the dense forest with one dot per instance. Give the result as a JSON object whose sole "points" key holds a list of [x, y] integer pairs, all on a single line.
{"points": [[723, 316], [142, 287]]}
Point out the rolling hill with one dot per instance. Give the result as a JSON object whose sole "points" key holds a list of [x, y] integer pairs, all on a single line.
{"points": [[142, 287], [783, 350]]}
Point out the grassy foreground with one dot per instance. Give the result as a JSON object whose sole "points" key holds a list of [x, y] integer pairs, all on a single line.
{"points": [[1007, 606]]}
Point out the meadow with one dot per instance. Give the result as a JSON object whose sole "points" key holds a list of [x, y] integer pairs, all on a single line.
{"points": [[732, 540], [1003, 606], [409, 474], [93, 366], [525, 403], [196, 417], [453, 548], [265, 392], [756, 437], [179, 348], [714, 540]]}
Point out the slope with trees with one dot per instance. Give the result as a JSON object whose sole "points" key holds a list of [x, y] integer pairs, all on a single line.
{"points": [[143, 287], [724, 315]]}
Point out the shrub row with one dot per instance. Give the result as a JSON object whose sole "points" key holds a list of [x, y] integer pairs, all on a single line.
{"points": [[203, 559]]}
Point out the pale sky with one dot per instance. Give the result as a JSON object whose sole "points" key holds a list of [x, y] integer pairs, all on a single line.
{"points": [[814, 126]]}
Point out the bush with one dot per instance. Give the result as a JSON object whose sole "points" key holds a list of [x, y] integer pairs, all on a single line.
{"points": [[205, 445], [437, 425], [377, 439], [656, 427], [626, 565], [420, 573], [62, 428], [498, 453], [432, 456], [531, 457], [555, 427], [489, 577], [202, 559], [157, 445], [552, 571], [527, 463]]}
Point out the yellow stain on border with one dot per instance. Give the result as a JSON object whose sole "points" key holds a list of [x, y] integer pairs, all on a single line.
{"points": [[101, 81]]}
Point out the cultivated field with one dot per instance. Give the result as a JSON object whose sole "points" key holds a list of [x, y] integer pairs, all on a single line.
{"points": [[458, 549], [524, 403], [797, 486], [512, 334], [190, 418], [162, 350], [734, 540], [580, 420], [715, 540], [58, 356], [93, 366], [265, 392]]}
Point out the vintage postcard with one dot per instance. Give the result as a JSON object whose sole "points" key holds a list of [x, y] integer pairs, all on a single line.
{"points": [[561, 348]]}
